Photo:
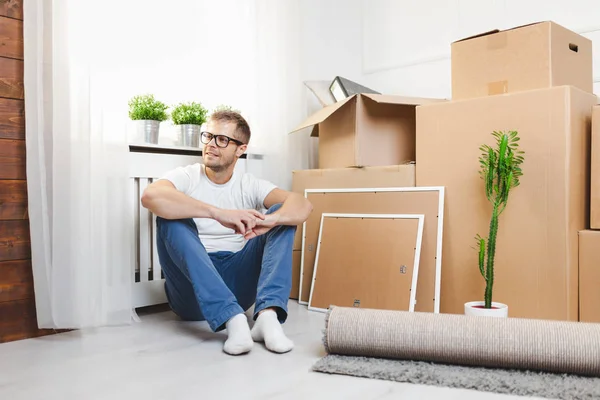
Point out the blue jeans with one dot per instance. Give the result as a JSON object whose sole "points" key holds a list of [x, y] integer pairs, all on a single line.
{"points": [[216, 286]]}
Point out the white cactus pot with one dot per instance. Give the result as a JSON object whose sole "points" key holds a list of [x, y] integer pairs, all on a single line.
{"points": [[477, 308]]}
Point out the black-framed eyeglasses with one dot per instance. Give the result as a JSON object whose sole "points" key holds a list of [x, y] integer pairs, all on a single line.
{"points": [[220, 140]]}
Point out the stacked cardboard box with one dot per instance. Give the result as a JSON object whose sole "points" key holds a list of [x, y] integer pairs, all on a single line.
{"points": [[365, 141], [589, 239], [595, 173], [537, 80], [331, 178], [535, 56], [589, 275]]}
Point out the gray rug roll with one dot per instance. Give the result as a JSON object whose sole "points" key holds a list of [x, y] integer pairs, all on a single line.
{"points": [[543, 345]]}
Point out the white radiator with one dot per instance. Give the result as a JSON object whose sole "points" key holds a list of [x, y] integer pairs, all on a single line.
{"points": [[148, 279], [148, 163]]}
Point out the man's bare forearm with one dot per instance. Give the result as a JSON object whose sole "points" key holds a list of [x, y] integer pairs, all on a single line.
{"points": [[294, 210], [170, 203]]}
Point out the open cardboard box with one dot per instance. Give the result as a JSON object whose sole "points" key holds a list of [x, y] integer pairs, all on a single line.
{"points": [[366, 130], [534, 56]]}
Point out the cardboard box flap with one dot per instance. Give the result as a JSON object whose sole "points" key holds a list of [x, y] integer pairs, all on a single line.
{"points": [[477, 35], [493, 31], [389, 99], [321, 116]]}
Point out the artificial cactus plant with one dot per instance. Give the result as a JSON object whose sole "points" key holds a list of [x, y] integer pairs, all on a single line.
{"points": [[500, 171]]}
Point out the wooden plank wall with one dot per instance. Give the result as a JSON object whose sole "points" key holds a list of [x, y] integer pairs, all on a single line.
{"points": [[17, 305]]}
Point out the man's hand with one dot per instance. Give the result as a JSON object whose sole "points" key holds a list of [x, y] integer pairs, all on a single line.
{"points": [[241, 221], [262, 226]]}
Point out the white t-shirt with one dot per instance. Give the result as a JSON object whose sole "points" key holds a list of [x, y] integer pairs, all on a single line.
{"points": [[243, 191]]}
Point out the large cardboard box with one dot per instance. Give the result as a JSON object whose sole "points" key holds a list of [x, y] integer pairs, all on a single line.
{"points": [[589, 276], [536, 268], [535, 56], [595, 177], [365, 130], [367, 177]]}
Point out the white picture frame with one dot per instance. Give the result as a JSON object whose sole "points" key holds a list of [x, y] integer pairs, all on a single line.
{"points": [[419, 240]]}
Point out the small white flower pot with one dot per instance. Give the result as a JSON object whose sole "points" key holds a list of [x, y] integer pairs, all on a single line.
{"points": [[477, 308]]}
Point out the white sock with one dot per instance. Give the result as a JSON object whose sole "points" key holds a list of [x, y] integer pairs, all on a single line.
{"points": [[239, 339], [268, 329]]}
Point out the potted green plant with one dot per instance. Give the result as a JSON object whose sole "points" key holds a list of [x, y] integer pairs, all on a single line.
{"points": [[500, 171], [148, 113], [188, 119]]}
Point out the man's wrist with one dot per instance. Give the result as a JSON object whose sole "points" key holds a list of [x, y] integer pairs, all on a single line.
{"points": [[280, 219], [212, 211]]}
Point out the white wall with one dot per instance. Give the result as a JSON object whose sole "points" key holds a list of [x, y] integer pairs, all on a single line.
{"points": [[330, 45], [251, 54], [403, 46], [299, 41], [256, 54], [406, 44], [191, 50]]}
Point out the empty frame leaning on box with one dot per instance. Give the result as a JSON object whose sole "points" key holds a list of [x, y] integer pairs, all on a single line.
{"points": [[385, 277], [428, 201]]}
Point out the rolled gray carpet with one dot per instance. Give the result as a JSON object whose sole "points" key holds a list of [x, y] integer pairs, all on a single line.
{"points": [[532, 344]]}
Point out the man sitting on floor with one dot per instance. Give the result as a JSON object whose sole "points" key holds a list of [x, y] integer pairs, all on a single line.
{"points": [[219, 253]]}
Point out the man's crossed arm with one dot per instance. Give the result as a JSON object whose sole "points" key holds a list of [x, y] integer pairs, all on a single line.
{"points": [[164, 200]]}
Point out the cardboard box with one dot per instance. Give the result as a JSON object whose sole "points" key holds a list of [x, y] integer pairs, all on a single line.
{"points": [[595, 174], [536, 265], [589, 276], [333, 178], [366, 130], [296, 260], [535, 56]]}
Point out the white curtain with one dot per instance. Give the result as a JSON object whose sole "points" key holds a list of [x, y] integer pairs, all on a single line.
{"points": [[83, 61], [77, 168], [277, 73]]}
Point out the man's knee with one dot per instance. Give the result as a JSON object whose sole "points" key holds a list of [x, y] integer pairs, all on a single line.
{"points": [[286, 228], [274, 208], [168, 223], [280, 228], [167, 227]]}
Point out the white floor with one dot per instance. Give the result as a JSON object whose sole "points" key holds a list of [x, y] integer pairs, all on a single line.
{"points": [[164, 358]]}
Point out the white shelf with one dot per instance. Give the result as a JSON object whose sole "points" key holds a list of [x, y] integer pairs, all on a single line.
{"points": [[173, 149]]}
